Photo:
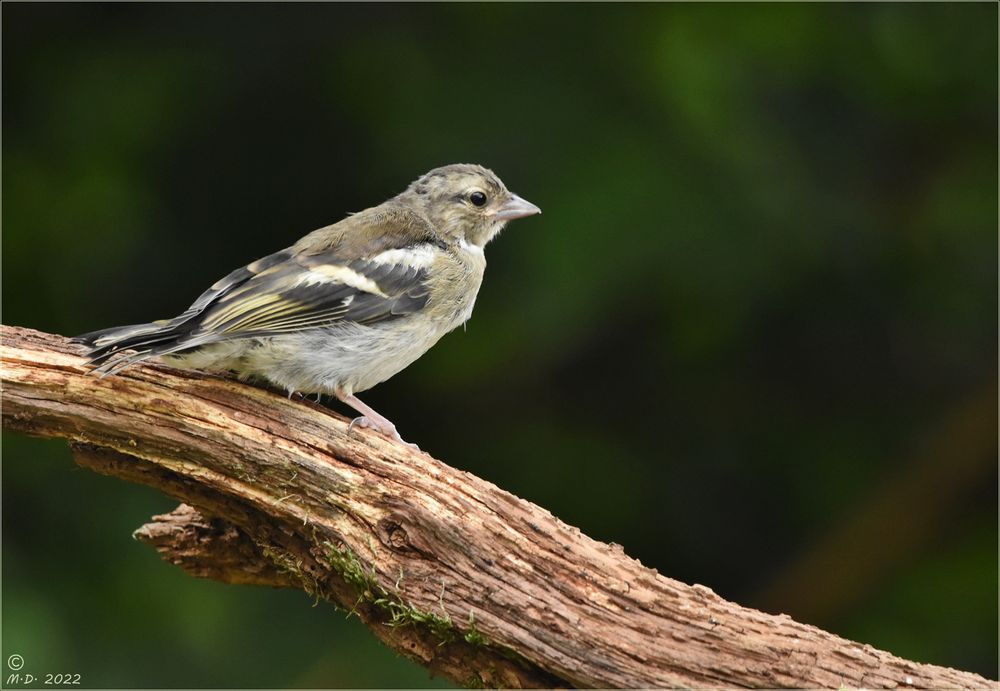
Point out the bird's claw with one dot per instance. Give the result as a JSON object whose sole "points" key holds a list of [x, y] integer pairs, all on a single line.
{"points": [[361, 421], [386, 430]]}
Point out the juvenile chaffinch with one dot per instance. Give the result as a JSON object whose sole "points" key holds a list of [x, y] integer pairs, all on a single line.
{"points": [[348, 305]]}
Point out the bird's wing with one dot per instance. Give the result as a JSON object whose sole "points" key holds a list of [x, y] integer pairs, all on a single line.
{"points": [[297, 292], [370, 267]]}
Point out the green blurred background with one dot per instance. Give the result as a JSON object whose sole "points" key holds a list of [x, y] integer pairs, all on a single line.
{"points": [[753, 338]]}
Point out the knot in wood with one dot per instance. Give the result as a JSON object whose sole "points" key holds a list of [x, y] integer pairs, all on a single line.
{"points": [[392, 534]]}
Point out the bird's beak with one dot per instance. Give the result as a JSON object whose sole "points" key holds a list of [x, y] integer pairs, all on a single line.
{"points": [[515, 207]]}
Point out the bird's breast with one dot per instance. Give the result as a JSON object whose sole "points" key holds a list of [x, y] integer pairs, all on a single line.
{"points": [[454, 285]]}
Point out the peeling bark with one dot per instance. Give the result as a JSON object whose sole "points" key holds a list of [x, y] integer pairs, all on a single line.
{"points": [[464, 578]]}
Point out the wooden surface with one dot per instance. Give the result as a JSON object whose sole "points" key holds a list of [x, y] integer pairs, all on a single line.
{"points": [[476, 584]]}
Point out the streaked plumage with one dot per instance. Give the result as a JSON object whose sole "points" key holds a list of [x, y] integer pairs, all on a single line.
{"points": [[348, 305]]}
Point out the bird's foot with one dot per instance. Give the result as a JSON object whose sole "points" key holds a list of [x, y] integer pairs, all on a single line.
{"points": [[383, 427]]}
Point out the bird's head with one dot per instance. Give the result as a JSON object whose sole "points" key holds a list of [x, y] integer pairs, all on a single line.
{"points": [[466, 202]]}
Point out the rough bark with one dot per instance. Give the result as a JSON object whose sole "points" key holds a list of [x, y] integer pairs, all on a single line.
{"points": [[472, 582]]}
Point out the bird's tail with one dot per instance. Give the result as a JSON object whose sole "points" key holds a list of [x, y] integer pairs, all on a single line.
{"points": [[145, 340]]}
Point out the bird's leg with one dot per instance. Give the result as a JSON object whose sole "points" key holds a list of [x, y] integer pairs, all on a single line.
{"points": [[370, 418]]}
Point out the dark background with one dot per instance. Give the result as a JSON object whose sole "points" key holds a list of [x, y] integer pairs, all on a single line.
{"points": [[753, 338]]}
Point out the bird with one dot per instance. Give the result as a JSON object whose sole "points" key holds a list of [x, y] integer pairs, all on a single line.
{"points": [[347, 306]]}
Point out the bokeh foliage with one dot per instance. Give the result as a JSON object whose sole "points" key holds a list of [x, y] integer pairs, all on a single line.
{"points": [[753, 338]]}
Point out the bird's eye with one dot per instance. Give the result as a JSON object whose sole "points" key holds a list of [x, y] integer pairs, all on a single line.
{"points": [[477, 198]]}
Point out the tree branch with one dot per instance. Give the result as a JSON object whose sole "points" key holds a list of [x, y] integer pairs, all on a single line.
{"points": [[445, 568]]}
